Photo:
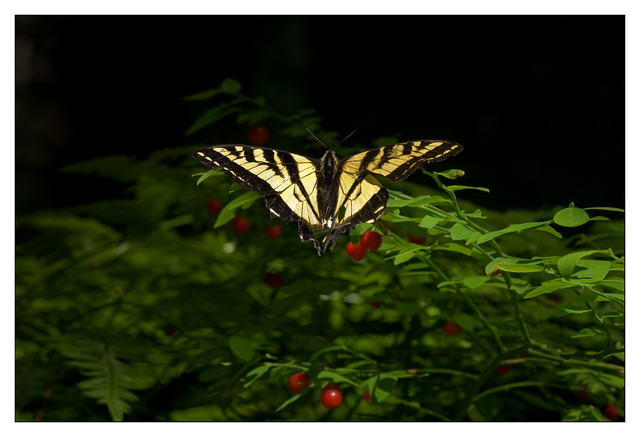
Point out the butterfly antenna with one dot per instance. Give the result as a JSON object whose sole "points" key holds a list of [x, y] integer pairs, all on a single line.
{"points": [[345, 138], [317, 139]]}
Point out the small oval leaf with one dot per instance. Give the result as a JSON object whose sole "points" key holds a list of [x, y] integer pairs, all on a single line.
{"points": [[571, 217]]}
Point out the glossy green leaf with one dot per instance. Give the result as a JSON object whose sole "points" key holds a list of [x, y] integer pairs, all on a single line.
{"points": [[207, 175], [475, 281], [584, 297], [571, 309], [488, 269], [463, 187], [548, 287], [593, 269], [520, 227], [460, 232], [567, 263], [429, 221], [605, 208], [520, 268], [453, 247], [571, 217], [418, 201]]}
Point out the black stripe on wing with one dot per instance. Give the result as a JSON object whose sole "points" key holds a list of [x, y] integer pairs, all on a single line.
{"points": [[398, 161]]}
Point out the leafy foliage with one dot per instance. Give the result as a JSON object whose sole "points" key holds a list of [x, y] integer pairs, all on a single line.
{"points": [[155, 309]]}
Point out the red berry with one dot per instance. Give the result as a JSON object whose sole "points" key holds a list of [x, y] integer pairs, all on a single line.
{"points": [[241, 225], [371, 240], [585, 396], [451, 329], [258, 135], [417, 240], [297, 382], [214, 206], [274, 280], [273, 232], [367, 396], [331, 396], [502, 370], [356, 251], [376, 304], [611, 411]]}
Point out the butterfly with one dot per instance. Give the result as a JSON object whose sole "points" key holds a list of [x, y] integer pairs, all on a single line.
{"points": [[332, 193]]}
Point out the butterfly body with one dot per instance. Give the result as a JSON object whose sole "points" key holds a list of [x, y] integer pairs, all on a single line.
{"points": [[332, 193]]}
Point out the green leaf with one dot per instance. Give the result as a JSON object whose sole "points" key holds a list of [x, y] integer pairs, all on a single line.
{"points": [[405, 255], [230, 86], [228, 212], [584, 413], [241, 347], [548, 287], [594, 269], [617, 283], [584, 333], [381, 386], [256, 373], [567, 263], [605, 208], [418, 201], [584, 298], [475, 281], [571, 217], [520, 268], [203, 95], [462, 187], [571, 309], [291, 399], [612, 314], [460, 232], [429, 221], [335, 377], [207, 175], [488, 269], [612, 380], [520, 227], [453, 247], [451, 174]]}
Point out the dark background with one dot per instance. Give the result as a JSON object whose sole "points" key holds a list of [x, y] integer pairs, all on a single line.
{"points": [[537, 101]]}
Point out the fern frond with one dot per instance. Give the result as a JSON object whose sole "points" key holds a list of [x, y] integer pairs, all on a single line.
{"points": [[110, 380]]}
